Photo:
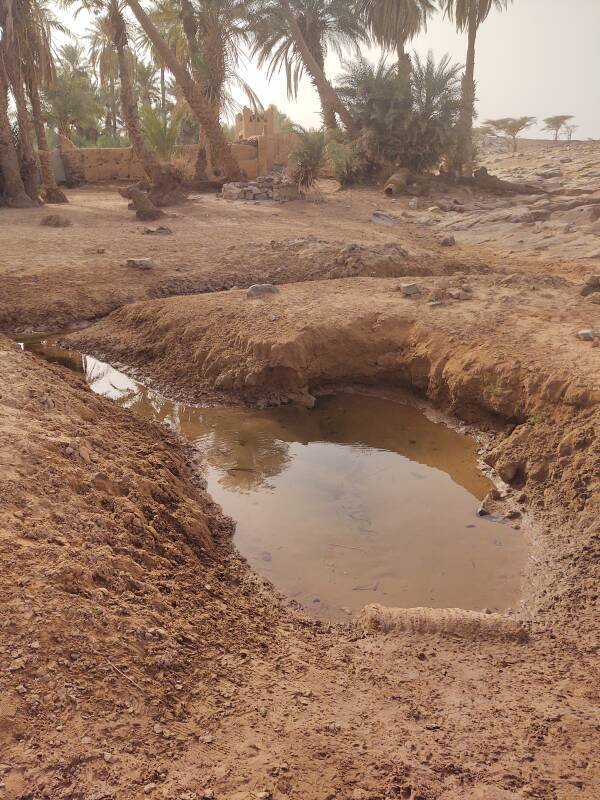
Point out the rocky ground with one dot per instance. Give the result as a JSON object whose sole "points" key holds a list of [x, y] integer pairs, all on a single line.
{"points": [[141, 656]]}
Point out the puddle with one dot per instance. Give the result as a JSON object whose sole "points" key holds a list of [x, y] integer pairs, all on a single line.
{"points": [[360, 500]]}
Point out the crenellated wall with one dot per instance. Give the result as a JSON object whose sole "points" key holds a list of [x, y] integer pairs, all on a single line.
{"points": [[261, 146]]}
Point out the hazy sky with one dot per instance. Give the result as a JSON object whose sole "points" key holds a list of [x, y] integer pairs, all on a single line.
{"points": [[539, 58]]}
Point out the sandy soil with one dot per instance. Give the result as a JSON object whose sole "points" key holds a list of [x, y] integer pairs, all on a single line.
{"points": [[142, 657]]}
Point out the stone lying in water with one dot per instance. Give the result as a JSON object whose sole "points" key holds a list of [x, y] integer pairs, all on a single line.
{"points": [[261, 290], [140, 263], [447, 621]]}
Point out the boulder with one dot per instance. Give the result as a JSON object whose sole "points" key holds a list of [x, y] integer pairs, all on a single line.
{"points": [[140, 263], [261, 290]]}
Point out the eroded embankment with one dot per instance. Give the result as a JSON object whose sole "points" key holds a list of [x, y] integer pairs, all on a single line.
{"points": [[142, 658], [484, 361]]}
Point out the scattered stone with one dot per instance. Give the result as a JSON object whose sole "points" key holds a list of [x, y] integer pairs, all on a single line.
{"points": [[592, 285], [277, 187], [149, 788], [56, 221], [586, 335], [381, 218], [413, 204], [208, 794], [458, 294], [410, 289], [140, 263], [261, 290], [162, 230], [448, 241]]}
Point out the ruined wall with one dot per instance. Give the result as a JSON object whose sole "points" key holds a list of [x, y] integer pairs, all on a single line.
{"points": [[256, 153]]}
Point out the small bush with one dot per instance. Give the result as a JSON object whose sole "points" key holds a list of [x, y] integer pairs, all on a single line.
{"points": [[309, 158]]}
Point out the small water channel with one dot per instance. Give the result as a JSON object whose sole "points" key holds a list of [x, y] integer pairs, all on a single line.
{"points": [[359, 500]]}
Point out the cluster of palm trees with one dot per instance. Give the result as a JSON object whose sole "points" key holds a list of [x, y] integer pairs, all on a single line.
{"points": [[199, 44]]}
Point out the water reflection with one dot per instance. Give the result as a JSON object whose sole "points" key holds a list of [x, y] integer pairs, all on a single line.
{"points": [[359, 500]]}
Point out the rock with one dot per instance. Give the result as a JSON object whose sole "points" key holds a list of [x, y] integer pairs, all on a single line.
{"points": [[149, 787], [397, 182], [508, 470], [55, 221], [208, 794], [586, 335], [162, 230], [140, 263], [381, 218], [448, 241], [261, 290], [410, 289], [550, 173], [458, 294], [413, 204], [592, 285]]}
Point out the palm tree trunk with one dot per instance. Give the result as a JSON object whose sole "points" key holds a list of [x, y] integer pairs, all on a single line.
{"points": [[327, 110], [316, 73], [193, 92], [29, 165], [163, 94], [465, 122], [13, 188], [113, 106], [404, 62], [131, 117], [52, 194]]}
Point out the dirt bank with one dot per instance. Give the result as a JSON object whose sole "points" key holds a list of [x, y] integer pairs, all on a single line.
{"points": [[143, 659], [483, 358], [68, 274]]}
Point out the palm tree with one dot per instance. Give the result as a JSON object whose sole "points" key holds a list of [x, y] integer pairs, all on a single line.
{"points": [[469, 15], [165, 16], [215, 30], [118, 31], [325, 25], [39, 70], [26, 27], [193, 89], [105, 63], [146, 81], [314, 69], [393, 23]]}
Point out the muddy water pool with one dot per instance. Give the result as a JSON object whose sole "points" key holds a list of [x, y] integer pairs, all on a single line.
{"points": [[359, 500]]}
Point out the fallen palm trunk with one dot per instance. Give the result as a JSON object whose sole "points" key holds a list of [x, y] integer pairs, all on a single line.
{"points": [[447, 621]]}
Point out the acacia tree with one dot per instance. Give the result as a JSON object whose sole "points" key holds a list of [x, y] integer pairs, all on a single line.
{"points": [[393, 23], [511, 127], [556, 124], [570, 129], [325, 25], [468, 15]]}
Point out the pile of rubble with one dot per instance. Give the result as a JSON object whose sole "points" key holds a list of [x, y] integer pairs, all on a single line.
{"points": [[266, 187]]}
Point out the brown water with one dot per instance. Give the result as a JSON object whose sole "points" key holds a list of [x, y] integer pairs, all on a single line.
{"points": [[360, 500]]}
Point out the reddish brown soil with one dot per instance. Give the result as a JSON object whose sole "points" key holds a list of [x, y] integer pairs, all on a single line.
{"points": [[142, 657]]}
